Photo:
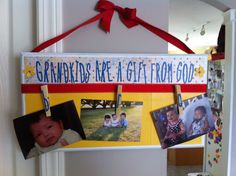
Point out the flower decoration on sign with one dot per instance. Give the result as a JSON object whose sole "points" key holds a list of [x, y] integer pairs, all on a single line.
{"points": [[29, 71], [199, 71]]}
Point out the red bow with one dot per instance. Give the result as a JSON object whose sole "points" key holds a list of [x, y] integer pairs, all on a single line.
{"points": [[127, 15], [129, 19]]}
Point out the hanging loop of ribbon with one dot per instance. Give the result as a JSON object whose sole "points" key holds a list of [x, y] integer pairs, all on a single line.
{"points": [[128, 18]]}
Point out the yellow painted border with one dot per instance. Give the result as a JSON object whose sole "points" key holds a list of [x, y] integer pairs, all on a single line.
{"points": [[151, 102]]}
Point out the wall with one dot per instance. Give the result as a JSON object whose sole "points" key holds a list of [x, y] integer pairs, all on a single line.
{"points": [[116, 163], [120, 39]]}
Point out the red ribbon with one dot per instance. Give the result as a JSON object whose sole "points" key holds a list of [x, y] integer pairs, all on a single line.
{"points": [[128, 18]]}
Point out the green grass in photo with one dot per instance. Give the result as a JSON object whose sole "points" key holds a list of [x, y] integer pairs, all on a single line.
{"points": [[92, 121]]}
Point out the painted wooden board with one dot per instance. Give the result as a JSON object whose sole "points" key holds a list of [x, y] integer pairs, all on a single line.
{"points": [[149, 79]]}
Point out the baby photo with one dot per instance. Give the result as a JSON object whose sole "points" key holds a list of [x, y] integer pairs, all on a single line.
{"points": [[101, 122], [173, 129], [38, 133]]}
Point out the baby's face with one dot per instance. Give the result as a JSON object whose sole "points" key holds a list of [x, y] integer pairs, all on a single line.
{"points": [[198, 114], [46, 132], [172, 116]]}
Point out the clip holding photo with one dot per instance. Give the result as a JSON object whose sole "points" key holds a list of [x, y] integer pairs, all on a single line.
{"points": [[118, 100], [179, 100], [46, 102]]}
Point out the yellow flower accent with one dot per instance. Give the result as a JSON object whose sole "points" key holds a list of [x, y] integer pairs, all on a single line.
{"points": [[199, 71], [29, 71]]}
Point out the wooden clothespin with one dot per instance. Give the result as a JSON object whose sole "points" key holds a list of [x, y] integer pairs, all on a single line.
{"points": [[118, 100], [179, 100], [46, 102]]}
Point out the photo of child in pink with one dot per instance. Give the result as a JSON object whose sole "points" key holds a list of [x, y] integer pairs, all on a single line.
{"points": [[176, 131], [197, 119], [200, 122], [107, 121], [49, 134]]}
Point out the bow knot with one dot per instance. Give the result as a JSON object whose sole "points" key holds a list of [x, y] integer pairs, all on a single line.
{"points": [[104, 5], [126, 15]]}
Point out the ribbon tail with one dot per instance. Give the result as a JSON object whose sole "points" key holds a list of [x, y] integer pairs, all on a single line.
{"points": [[106, 20], [164, 35], [60, 37]]}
